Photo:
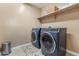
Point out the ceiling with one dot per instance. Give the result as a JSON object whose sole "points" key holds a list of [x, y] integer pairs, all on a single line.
{"points": [[41, 5]]}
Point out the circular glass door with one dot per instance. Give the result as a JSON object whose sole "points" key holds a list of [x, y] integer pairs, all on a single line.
{"points": [[48, 42], [34, 36]]}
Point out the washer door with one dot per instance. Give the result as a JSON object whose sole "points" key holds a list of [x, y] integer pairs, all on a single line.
{"points": [[48, 42], [34, 37]]}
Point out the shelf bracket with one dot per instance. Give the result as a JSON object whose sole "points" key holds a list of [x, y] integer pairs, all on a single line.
{"points": [[55, 17]]}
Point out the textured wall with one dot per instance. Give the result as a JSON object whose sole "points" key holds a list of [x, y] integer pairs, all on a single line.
{"points": [[16, 22]]}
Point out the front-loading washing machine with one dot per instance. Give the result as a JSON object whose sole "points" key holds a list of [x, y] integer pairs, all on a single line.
{"points": [[36, 37], [53, 41]]}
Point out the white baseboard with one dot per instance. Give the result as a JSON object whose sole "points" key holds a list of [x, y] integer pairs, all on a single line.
{"points": [[21, 45], [72, 53]]}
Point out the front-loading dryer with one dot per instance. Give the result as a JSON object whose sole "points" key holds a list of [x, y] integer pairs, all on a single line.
{"points": [[53, 41], [36, 37]]}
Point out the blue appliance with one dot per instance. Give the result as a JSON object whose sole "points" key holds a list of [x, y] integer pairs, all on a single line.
{"points": [[36, 37], [53, 41]]}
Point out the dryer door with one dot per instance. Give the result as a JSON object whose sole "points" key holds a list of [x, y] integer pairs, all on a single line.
{"points": [[48, 42], [34, 37]]}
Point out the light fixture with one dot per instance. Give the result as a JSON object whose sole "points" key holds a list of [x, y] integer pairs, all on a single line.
{"points": [[21, 8]]}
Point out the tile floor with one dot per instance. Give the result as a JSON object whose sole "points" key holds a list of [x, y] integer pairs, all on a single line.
{"points": [[28, 50]]}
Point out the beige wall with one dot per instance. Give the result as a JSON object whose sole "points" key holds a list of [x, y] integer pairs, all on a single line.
{"points": [[70, 20], [16, 22]]}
